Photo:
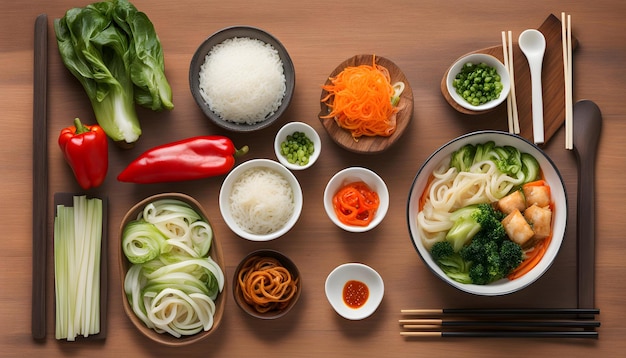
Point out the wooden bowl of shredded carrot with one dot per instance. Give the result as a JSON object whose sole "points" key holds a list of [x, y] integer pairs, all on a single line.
{"points": [[266, 284], [366, 104]]}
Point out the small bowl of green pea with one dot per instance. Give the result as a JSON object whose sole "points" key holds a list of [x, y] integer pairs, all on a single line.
{"points": [[478, 82], [297, 145]]}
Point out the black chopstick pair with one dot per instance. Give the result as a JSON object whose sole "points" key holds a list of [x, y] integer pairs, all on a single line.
{"points": [[516, 322], [503, 311]]}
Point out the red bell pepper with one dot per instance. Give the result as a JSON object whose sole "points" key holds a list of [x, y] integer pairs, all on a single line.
{"points": [[189, 159], [86, 150]]}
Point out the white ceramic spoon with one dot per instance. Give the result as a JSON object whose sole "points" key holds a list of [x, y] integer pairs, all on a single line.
{"points": [[533, 45]]}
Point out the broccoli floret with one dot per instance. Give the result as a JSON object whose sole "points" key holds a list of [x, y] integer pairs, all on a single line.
{"points": [[477, 248], [469, 220], [511, 255], [492, 255], [490, 221], [450, 262]]}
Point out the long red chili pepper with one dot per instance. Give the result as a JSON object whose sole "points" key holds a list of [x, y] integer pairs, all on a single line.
{"points": [[86, 150], [188, 159]]}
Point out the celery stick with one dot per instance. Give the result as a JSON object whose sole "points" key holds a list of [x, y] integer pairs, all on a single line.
{"points": [[77, 257]]}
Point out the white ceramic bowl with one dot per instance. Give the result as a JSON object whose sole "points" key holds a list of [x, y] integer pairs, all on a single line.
{"points": [[338, 278], [559, 218], [477, 58], [350, 175], [224, 198], [289, 129]]}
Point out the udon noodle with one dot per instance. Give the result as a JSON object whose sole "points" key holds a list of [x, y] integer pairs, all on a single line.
{"points": [[450, 190]]}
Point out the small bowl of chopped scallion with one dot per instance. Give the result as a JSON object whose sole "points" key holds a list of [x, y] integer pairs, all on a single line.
{"points": [[478, 82], [297, 145]]}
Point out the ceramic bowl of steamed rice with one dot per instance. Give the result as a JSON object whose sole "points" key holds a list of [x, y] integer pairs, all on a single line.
{"points": [[260, 200], [242, 78], [487, 213]]}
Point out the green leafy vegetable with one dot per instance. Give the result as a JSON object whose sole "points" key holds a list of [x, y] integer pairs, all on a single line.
{"points": [[451, 262], [521, 167], [147, 68], [113, 50], [477, 249]]}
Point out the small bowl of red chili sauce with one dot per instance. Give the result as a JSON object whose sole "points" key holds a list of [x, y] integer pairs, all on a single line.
{"points": [[354, 290], [356, 199]]}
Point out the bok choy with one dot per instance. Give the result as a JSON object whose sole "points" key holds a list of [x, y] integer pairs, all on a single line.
{"points": [[115, 53]]}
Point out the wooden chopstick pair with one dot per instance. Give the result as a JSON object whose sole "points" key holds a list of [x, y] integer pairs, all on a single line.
{"points": [[550, 322], [511, 101], [566, 39]]}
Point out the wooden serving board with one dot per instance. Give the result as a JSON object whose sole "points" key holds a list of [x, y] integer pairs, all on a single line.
{"points": [[553, 82]]}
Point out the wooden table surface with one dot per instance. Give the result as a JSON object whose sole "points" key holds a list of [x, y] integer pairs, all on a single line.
{"points": [[423, 39]]}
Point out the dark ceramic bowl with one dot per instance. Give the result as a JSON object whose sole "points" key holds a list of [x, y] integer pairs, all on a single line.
{"points": [[220, 36], [285, 262]]}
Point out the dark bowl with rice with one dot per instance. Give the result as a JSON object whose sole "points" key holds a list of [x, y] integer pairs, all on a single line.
{"points": [[242, 78]]}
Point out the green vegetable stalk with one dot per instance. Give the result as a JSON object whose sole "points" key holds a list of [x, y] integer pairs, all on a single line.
{"points": [[113, 50]]}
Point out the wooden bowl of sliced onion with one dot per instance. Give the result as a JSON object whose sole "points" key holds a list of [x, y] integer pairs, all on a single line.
{"points": [[170, 261]]}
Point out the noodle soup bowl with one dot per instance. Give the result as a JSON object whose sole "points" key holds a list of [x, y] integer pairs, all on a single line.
{"points": [[261, 202], [215, 252], [550, 174], [241, 32], [352, 175], [285, 262]]}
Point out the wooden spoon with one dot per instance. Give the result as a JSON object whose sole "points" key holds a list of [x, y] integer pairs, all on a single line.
{"points": [[587, 126]]}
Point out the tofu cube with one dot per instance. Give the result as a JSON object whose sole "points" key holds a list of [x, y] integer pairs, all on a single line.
{"points": [[537, 194], [513, 201], [517, 228], [540, 220]]}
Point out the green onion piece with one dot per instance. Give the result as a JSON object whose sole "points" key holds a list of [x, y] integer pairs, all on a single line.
{"points": [[297, 148]]}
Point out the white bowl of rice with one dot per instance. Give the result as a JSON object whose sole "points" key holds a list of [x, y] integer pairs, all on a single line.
{"points": [[260, 200], [242, 78]]}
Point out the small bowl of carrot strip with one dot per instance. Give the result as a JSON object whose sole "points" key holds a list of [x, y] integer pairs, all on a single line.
{"points": [[356, 199]]}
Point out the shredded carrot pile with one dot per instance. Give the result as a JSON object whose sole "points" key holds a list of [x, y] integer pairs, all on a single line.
{"points": [[356, 204], [532, 259], [360, 100]]}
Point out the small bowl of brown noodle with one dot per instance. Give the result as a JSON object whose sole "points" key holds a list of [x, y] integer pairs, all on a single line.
{"points": [[266, 284]]}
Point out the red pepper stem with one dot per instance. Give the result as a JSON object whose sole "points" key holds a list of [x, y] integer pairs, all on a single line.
{"points": [[80, 128], [243, 150]]}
